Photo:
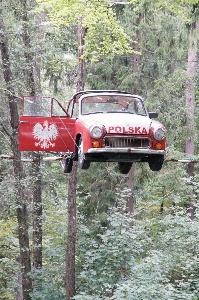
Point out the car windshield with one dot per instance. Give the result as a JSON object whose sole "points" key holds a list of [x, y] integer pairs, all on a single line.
{"points": [[112, 104]]}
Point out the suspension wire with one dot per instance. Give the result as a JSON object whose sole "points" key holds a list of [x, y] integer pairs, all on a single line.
{"points": [[10, 157], [65, 128], [51, 158]]}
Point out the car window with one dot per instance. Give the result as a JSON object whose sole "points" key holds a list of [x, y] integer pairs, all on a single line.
{"points": [[37, 106], [75, 110], [112, 103], [70, 108], [57, 109], [138, 107]]}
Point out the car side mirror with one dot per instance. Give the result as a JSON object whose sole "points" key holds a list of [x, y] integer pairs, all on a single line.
{"points": [[153, 115]]}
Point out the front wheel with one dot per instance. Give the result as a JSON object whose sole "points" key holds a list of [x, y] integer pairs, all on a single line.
{"points": [[82, 162], [124, 167], [156, 162]]}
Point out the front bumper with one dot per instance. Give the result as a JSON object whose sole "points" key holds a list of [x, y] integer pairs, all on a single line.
{"points": [[126, 150]]}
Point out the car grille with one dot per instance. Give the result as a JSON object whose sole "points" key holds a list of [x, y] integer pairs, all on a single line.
{"points": [[126, 142]]}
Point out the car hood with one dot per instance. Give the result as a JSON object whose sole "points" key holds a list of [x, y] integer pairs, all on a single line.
{"points": [[120, 122]]}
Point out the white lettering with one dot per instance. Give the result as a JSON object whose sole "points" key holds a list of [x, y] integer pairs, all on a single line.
{"points": [[127, 130]]}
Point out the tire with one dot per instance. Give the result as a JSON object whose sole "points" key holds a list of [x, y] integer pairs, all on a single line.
{"points": [[156, 162], [67, 164], [124, 167], [82, 162]]}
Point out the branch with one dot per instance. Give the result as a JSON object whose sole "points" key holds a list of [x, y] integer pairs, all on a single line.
{"points": [[5, 130], [120, 3], [112, 3], [9, 92], [4, 156], [194, 161]]}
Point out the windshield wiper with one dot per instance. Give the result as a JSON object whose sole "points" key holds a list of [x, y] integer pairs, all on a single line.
{"points": [[120, 111], [95, 112]]}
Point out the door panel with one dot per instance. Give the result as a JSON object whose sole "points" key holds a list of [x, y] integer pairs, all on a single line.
{"points": [[40, 131], [46, 134]]}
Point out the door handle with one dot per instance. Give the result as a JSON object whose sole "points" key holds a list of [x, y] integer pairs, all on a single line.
{"points": [[24, 122]]}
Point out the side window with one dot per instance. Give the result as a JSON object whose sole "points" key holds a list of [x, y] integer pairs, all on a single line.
{"points": [[75, 110], [37, 106], [70, 108], [57, 109], [139, 108], [131, 107]]}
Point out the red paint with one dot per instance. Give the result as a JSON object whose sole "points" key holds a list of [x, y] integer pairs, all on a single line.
{"points": [[58, 133]]}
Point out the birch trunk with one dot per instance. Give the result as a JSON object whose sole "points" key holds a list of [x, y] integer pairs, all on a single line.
{"points": [[190, 102], [71, 236], [136, 65], [32, 85], [21, 204]]}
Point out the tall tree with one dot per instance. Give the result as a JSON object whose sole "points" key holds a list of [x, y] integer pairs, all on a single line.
{"points": [[190, 103], [135, 90], [37, 211], [31, 85], [21, 203], [71, 236]]}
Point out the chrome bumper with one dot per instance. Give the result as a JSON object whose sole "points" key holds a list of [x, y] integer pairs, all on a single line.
{"points": [[126, 150]]}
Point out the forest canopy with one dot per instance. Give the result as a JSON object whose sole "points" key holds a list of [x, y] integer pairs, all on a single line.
{"points": [[135, 235]]}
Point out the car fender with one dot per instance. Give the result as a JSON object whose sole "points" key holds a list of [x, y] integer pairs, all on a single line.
{"points": [[82, 128]]}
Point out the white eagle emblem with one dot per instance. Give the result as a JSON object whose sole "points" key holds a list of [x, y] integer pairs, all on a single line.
{"points": [[46, 134]]}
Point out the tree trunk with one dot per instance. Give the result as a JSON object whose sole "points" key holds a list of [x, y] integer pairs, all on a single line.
{"points": [[130, 185], [190, 101], [19, 294], [36, 175], [81, 62], [136, 56], [135, 88], [21, 204], [29, 69], [37, 213], [71, 236]]}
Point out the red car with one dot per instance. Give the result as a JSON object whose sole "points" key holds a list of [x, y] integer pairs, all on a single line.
{"points": [[97, 126]]}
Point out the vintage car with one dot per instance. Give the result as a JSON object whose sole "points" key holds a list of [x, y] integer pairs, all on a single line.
{"points": [[97, 126]]}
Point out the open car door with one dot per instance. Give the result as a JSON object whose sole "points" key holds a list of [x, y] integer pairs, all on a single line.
{"points": [[45, 126]]}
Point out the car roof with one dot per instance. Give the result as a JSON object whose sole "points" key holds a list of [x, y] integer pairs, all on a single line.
{"points": [[81, 93]]}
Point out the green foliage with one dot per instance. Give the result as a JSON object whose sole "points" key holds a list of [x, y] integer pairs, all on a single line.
{"points": [[161, 78], [96, 190], [59, 62], [168, 272], [104, 34], [104, 260], [101, 75], [49, 281], [156, 259], [169, 187], [154, 253], [48, 284], [9, 267]]}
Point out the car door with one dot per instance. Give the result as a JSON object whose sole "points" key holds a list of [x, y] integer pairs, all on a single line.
{"points": [[45, 126]]}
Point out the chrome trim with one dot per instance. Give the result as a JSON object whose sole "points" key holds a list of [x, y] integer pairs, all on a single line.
{"points": [[126, 150], [126, 141]]}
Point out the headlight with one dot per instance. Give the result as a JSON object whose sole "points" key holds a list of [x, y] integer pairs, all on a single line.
{"points": [[96, 132], [159, 134]]}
